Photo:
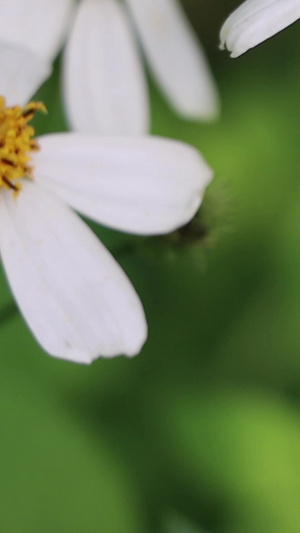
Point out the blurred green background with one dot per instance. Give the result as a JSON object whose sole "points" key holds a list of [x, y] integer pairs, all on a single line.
{"points": [[201, 432]]}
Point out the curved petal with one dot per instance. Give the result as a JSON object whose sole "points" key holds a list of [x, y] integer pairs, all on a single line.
{"points": [[176, 57], [255, 21], [22, 72], [104, 86], [75, 298], [37, 25], [145, 185]]}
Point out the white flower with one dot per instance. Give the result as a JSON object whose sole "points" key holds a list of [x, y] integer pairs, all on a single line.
{"points": [[75, 298], [104, 82], [255, 21]]}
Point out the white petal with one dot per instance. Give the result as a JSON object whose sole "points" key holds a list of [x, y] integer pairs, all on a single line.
{"points": [[74, 296], [21, 73], [176, 57], [145, 185], [255, 21], [39, 25], [104, 85]]}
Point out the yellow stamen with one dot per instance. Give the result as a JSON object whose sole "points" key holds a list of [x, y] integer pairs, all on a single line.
{"points": [[16, 143]]}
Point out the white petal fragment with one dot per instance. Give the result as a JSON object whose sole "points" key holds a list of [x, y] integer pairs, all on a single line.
{"points": [[145, 185], [255, 21], [75, 298], [22, 72], [176, 57], [104, 84], [37, 25]]}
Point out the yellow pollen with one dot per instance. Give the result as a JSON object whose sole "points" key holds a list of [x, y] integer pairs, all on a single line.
{"points": [[16, 143]]}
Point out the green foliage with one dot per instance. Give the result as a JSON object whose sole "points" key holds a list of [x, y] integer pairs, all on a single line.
{"points": [[242, 447]]}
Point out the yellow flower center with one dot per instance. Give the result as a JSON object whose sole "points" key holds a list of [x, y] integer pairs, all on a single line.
{"points": [[16, 143]]}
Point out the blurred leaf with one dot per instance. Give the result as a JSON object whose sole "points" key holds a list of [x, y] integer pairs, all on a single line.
{"points": [[242, 447]]}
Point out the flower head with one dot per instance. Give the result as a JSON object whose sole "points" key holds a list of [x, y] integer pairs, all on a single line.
{"points": [[16, 143], [76, 299], [255, 21]]}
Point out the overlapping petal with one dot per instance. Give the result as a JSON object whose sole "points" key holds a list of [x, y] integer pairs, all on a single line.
{"points": [[175, 57], [37, 25], [145, 185], [21, 73], [31, 34], [104, 85], [75, 298], [255, 21]]}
